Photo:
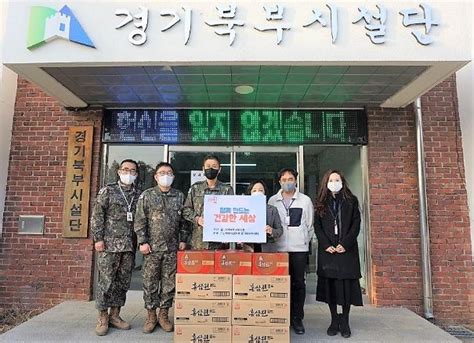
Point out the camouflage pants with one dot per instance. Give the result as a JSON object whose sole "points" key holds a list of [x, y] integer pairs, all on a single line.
{"points": [[159, 275], [115, 274]]}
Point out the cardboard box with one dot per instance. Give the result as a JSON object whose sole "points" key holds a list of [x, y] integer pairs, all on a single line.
{"points": [[260, 313], [260, 334], [202, 333], [201, 286], [270, 264], [232, 262], [261, 287], [196, 262], [208, 312]]}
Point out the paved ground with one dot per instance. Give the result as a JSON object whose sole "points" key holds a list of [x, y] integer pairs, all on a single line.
{"points": [[74, 321]]}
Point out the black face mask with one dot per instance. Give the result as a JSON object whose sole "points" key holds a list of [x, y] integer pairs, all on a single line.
{"points": [[211, 173]]}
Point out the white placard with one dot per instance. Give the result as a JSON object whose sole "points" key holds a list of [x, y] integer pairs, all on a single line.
{"points": [[197, 175], [235, 218]]}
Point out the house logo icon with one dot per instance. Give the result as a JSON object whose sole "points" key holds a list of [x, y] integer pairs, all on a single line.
{"points": [[47, 24]]}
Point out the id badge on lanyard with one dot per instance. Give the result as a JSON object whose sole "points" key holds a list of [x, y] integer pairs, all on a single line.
{"points": [[336, 229], [129, 206], [287, 217]]}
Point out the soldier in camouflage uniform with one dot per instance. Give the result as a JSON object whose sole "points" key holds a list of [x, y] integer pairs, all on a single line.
{"points": [[159, 227], [194, 205], [112, 228]]}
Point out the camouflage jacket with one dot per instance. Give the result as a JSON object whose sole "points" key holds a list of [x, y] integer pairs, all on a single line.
{"points": [[158, 220], [194, 207], [109, 217]]}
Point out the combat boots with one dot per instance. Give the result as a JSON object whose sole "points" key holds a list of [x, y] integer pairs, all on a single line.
{"points": [[102, 323], [164, 320], [150, 322], [115, 320]]}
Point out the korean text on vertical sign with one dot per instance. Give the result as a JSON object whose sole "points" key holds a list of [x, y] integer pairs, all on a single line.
{"points": [[78, 175], [234, 218]]}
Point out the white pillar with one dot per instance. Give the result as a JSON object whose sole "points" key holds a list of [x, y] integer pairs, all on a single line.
{"points": [[8, 85], [464, 82]]}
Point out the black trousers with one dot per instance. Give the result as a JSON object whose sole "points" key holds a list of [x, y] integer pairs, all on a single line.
{"points": [[297, 265]]}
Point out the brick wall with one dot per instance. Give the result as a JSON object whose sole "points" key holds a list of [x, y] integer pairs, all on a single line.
{"points": [[451, 246], [45, 270], [395, 235], [40, 271]]}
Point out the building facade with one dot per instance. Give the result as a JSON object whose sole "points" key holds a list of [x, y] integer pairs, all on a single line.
{"points": [[263, 94]]}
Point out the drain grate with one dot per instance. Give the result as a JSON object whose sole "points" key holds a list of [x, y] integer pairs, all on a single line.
{"points": [[459, 331]]}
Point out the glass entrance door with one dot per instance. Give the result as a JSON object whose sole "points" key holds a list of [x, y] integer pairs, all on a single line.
{"points": [[253, 163], [187, 162], [240, 165]]}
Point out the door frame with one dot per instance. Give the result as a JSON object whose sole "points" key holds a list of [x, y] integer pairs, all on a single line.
{"points": [[234, 149]]}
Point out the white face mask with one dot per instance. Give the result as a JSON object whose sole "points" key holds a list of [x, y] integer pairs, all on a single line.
{"points": [[165, 180], [335, 186], [257, 193], [127, 179]]}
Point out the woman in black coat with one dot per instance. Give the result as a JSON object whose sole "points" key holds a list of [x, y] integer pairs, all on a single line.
{"points": [[337, 225]]}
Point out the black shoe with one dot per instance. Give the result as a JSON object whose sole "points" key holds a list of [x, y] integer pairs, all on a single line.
{"points": [[333, 329], [344, 326], [298, 326]]}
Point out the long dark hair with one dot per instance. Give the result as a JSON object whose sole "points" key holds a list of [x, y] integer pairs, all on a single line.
{"points": [[324, 193]]}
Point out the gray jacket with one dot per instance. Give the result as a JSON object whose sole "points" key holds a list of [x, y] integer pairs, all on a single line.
{"points": [[273, 219], [298, 231]]}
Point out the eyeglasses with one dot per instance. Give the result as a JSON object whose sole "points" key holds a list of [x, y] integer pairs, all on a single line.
{"points": [[129, 171], [165, 173]]}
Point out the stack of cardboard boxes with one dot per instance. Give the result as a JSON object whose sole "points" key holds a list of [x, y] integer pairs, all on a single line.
{"points": [[203, 301], [261, 301], [232, 296]]}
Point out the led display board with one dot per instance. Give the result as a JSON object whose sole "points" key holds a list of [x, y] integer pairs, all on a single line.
{"points": [[235, 126]]}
